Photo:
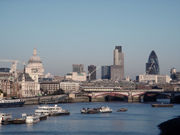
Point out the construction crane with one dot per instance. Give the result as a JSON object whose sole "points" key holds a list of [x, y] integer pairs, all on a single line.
{"points": [[89, 74], [13, 69]]}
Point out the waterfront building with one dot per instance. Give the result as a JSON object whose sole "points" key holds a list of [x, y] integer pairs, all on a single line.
{"points": [[49, 87], [152, 66], [35, 67], [92, 72], [117, 69], [106, 72], [78, 68], [69, 87], [75, 76], [153, 79], [28, 86]]}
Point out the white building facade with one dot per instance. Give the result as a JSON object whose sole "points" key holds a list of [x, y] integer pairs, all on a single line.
{"points": [[160, 79], [29, 87], [69, 87]]}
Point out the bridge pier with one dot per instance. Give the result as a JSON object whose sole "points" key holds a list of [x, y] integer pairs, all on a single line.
{"points": [[133, 99]]}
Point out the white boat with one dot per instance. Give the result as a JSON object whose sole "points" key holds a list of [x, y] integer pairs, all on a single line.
{"points": [[50, 110], [43, 110], [5, 117], [31, 119], [106, 109]]}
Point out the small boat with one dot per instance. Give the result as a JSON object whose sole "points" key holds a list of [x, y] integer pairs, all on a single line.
{"points": [[90, 110], [20, 120], [162, 105], [11, 103], [122, 110], [5, 118], [106, 109], [31, 119]]}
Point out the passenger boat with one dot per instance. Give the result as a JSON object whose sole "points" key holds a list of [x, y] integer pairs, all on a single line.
{"points": [[31, 119], [51, 111], [106, 109], [11, 103], [122, 110], [43, 110], [162, 105], [5, 117]]}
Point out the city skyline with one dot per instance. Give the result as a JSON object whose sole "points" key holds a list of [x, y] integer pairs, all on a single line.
{"points": [[85, 32]]}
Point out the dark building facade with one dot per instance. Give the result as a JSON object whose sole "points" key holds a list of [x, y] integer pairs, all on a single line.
{"points": [[152, 66], [92, 72], [117, 69], [106, 72], [5, 70], [78, 68]]}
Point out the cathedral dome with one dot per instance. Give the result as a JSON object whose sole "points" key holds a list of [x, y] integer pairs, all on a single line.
{"points": [[35, 58]]}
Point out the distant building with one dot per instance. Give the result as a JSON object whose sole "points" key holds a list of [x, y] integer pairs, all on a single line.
{"points": [[49, 87], [152, 66], [69, 87], [92, 72], [117, 69], [78, 68], [35, 67], [105, 72], [75, 76], [175, 76], [153, 79]]}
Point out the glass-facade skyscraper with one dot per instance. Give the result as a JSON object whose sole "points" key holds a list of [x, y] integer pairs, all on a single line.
{"points": [[105, 72], [152, 66]]}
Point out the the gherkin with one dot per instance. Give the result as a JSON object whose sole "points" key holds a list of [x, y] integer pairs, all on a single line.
{"points": [[152, 67]]}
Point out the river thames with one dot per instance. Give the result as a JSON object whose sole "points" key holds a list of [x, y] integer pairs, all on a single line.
{"points": [[140, 119]]}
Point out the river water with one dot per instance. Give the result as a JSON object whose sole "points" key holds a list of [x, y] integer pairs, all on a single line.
{"points": [[140, 119]]}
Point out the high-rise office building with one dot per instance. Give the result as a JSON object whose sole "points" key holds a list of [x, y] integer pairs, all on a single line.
{"points": [[105, 72], [117, 69], [92, 72], [152, 66], [79, 68]]}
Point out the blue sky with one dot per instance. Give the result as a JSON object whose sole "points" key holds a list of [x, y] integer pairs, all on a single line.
{"points": [[67, 32]]}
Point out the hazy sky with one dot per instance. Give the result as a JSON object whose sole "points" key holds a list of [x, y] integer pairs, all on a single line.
{"points": [[67, 32]]}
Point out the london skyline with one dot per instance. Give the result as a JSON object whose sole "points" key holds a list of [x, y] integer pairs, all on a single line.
{"points": [[86, 32]]}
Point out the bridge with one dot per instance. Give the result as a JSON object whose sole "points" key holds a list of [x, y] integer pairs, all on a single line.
{"points": [[106, 94]]}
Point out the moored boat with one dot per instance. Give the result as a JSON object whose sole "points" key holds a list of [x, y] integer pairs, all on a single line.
{"points": [[162, 105], [21, 120], [51, 111], [11, 103]]}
